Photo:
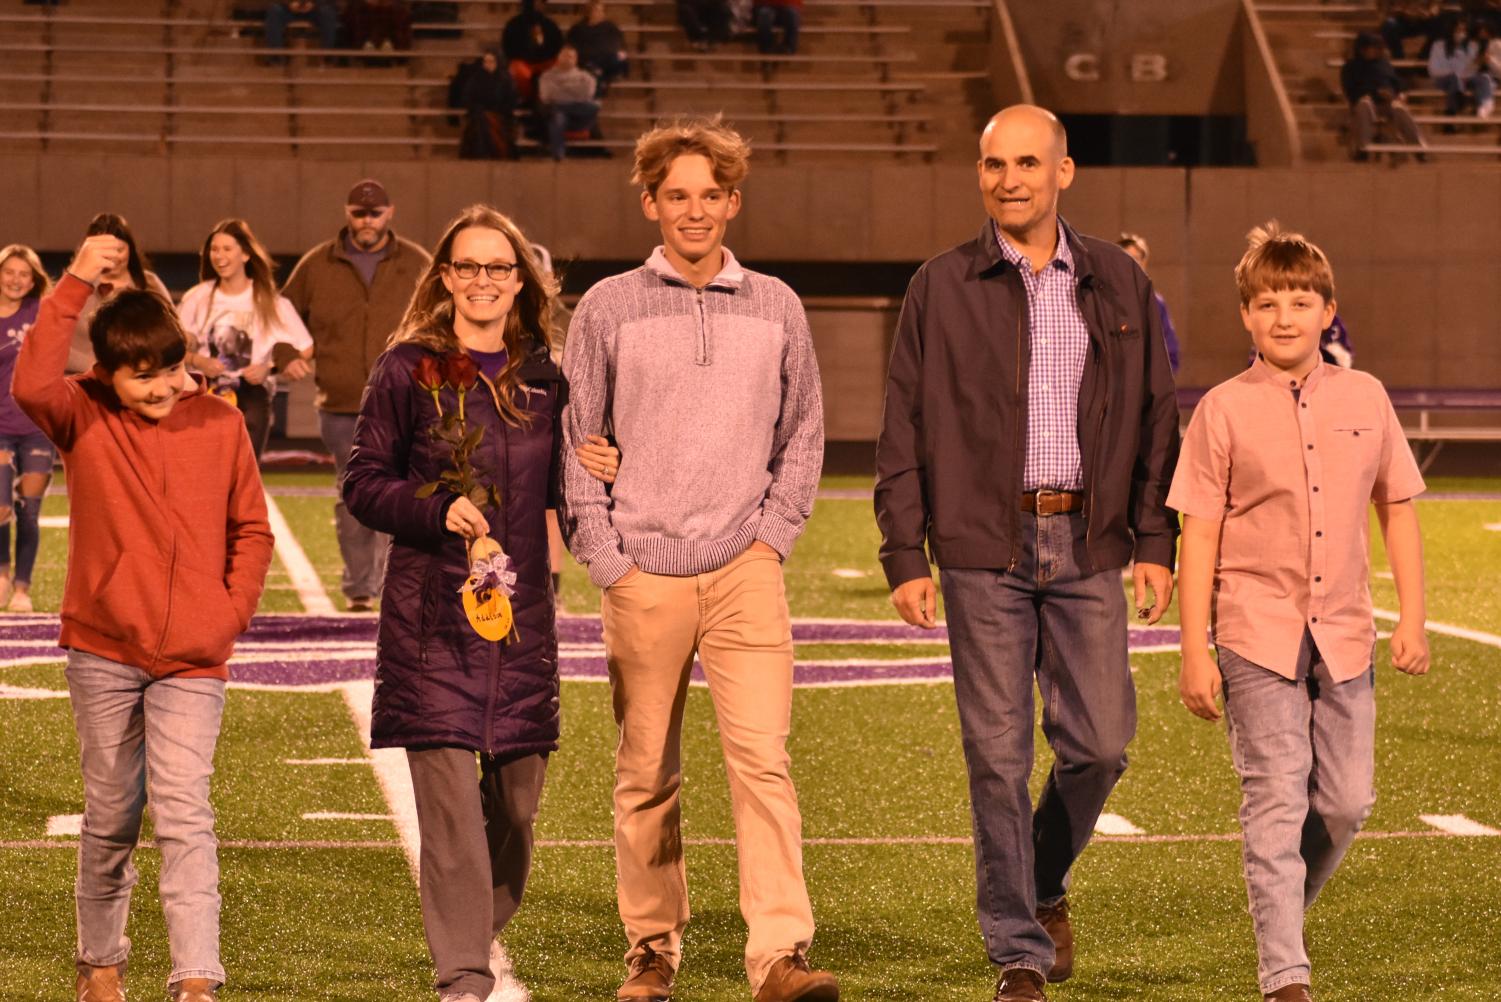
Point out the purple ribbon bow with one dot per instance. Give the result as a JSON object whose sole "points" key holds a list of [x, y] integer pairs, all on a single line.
{"points": [[490, 574]]}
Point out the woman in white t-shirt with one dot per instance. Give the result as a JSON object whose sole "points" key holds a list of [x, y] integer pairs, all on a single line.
{"points": [[245, 335]]}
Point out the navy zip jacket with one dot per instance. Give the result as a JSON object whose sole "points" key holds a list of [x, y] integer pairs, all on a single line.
{"points": [[437, 682], [949, 460]]}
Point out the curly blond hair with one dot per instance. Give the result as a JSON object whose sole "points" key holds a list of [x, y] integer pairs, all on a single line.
{"points": [[727, 150]]}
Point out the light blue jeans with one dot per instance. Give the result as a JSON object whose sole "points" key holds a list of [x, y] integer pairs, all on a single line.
{"points": [[144, 739], [1305, 752], [1064, 625]]}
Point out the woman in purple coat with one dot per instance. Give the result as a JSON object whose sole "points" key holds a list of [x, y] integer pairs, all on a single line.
{"points": [[474, 342]]}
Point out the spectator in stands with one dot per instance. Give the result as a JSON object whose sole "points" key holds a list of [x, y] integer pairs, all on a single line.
{"points": [[1410, 19], [351, 292], [705, 22], [1454, 63], [1487, 30], [1374, 91], [489, 100], [379, 24], [322, 14], [134, 273], [773, 14], [1136, 245], [531, 41], [242, 334], [601, 46], [24, 450], [567, 95]]}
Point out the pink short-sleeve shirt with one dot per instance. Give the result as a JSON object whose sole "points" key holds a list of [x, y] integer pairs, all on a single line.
{"points": [[1289, 478]]}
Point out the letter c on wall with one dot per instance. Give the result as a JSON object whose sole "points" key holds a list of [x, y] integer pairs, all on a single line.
{"points": [[1082, 66]]}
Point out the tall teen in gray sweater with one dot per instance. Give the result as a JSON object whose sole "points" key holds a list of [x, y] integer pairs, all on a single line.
{"points": [[704, 372]]}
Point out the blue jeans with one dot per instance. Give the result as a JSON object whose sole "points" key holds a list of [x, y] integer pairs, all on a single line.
{"points": [[789, 19], [363, 550], [1305, 752], [143, 739], [1454, 88], [324, 14], [28, 455], [1055, 620], [564, 118]]}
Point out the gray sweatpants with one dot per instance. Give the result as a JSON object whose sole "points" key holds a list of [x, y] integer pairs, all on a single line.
{"points": [[476, 828]]}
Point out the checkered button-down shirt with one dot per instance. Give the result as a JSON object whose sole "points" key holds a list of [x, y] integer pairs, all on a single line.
{"points": [[1059, 343]]}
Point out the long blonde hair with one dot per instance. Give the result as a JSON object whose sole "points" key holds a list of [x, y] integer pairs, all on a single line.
{"points": [[429, 316], [260, 268], [40, 280]]}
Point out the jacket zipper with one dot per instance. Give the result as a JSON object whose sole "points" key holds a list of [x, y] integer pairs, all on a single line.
{"points": [[702, 357], [161, 645], [1018, 447], [503, 451]]}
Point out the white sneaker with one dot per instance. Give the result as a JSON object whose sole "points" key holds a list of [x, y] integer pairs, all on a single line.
{"points": [[1487, 108], [20, 601], [507, 988]]}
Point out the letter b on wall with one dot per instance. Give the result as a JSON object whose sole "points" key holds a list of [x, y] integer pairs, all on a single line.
{"points": [[1148, 67]]}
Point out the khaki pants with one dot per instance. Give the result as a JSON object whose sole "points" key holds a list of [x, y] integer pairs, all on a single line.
{"points": [[736, 619]]}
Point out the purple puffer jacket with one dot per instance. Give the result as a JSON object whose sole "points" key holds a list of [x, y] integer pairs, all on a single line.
{"points": [[437, 682]]}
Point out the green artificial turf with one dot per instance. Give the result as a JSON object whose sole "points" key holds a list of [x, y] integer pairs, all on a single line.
{"points": [[1413, 915]]}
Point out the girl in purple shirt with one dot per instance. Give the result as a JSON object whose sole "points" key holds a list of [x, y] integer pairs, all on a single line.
{"points": [[23, 447]]}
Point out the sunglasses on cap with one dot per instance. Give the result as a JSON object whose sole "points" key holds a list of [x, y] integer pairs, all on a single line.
{"points": [[366, 213]]}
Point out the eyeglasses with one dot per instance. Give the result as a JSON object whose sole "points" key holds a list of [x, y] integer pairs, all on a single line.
{"points": [[367, 213], [497, 270]]}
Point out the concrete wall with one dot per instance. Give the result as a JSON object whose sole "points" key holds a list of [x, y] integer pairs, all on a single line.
{"points": [[1414, 248], [1168, 57]]}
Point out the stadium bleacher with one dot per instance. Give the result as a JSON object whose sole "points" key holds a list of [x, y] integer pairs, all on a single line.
{"points": [[877, 76]]}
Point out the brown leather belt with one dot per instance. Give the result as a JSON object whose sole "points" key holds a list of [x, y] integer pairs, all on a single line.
{"points": [[1047, 502]]}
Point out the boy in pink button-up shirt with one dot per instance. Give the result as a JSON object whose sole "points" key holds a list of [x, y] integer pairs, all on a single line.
{"points": [[1273, 480]]}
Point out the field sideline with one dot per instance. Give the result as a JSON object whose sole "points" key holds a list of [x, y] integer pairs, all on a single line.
{"points": [[320, 902]]}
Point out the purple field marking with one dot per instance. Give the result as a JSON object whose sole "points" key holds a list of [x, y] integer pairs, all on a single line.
{"points": [[315, 650]]}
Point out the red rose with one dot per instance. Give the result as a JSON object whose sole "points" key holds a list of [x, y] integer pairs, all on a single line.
{"points": [[428, 373], [461, 370]]}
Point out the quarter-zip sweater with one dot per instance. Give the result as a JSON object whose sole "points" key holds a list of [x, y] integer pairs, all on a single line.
{"points": [[713, 397], [168, 541]]}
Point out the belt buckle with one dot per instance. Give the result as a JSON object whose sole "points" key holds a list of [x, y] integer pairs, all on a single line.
{"points": [[1037, 501]]}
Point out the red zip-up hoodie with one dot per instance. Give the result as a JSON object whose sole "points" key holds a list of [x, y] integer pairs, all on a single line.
{"points": [[168, 542]]}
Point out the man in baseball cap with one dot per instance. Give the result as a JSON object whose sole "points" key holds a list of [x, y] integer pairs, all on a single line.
{"points": [[351, 292]]}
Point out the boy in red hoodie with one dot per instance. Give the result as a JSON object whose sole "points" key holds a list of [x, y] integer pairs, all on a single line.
{"points": [[168, 546]]}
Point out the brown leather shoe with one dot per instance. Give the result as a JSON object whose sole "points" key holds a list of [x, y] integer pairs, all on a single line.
{"points": [[650, 979], [101, 984], [1054, 919], [195, 990], [1020, 984], [1290, 993], [792, 980]]}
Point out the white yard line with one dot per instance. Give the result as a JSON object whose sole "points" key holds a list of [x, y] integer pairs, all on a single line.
{"points": [[325, 761], [65, 824], [913, 840], [344, 816], [21, 692], [390, 772], [304, 577], [1457, 824], [1447, 629], [53, 521], [1114, 824]]}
